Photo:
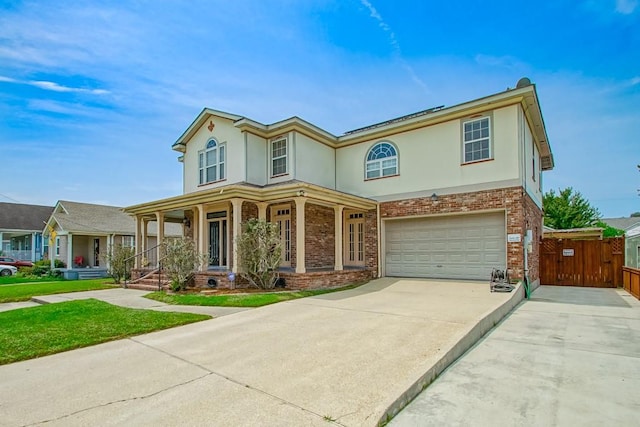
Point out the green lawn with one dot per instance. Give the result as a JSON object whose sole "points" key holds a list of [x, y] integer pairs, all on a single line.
{"points": [[24, 292], [239, 300], [9, 280], [52, 328]]}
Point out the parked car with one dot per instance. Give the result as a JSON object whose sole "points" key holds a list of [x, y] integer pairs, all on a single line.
{"points": [[8, 270], [5, 260]]}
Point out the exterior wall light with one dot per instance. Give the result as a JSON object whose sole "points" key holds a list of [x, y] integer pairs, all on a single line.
{"points": [[434, 197]]}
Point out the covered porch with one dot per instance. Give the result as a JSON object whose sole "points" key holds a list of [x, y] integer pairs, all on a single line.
{"points": [[329, 238]]}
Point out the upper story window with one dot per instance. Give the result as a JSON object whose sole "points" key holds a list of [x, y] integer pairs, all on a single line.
{"points": [[477, 140], [279, 157], [211, 162], [382, 160]]}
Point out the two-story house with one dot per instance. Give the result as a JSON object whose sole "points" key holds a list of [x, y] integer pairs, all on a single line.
{"points": [[443, 193]]}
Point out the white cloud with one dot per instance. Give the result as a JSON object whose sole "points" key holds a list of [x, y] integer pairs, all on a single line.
{"points": [[53, 86], [634, 81], [626, 7]]}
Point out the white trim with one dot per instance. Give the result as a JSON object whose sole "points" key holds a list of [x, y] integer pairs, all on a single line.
{"points": [[480, 139]]}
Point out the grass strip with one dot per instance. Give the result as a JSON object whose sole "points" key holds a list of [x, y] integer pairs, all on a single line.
{"points": [[240, 300], [9, 280], [53, 328], [24, 292]]}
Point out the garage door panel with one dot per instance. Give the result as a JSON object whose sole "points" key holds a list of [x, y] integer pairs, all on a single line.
{"points": [[456, 247]]}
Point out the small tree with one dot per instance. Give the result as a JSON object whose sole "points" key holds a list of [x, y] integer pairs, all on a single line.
{"points": [[259, 249], [116, 257], [568, 210], [609, 231], [180, 259]]}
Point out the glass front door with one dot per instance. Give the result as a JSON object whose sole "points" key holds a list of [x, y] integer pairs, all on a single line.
{"points": [[218, 242]]}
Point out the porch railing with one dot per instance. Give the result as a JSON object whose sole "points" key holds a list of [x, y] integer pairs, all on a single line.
{"points": [[147, 263]]}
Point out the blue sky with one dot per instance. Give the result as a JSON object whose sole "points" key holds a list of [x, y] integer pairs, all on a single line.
{"points": [[93, 93]]}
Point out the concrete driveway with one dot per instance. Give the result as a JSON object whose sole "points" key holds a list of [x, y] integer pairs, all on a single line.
{"points": [[344, 358], [567, 357]]}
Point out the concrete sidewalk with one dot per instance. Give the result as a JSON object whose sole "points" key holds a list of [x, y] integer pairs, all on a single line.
{"points": [[344, 358], [133, 298], [567, 357]]}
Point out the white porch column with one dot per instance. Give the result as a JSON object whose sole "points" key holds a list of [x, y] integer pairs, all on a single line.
{"points": [[137, 241], [160, 222], [199, 213], [33, 246], [145, 234], [69, 250], [300, 235], [338, 237], [262, 211], [237, 229], [110, 239]]}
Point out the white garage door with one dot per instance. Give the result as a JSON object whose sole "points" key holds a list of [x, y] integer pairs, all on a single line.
{"points": [[452, 247]]}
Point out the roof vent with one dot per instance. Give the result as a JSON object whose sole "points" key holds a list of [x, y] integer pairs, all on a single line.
{"points": [[523, 82]]}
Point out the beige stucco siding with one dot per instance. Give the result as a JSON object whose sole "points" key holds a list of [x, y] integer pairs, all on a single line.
{"points": [[257, 162], [430, 159], [532, 179], [314, 162], [225, 133]]}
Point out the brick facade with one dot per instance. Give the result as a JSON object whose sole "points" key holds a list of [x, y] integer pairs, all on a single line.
{"points": [[320, 226], [309, 280], [520, 210]]}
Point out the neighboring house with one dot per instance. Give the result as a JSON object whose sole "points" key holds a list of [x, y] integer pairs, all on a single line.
{"points": [[85, 233], [21, 230], [443, 193], [631, 228]]}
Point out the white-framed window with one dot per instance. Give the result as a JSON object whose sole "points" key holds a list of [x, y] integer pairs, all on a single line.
{"points": [[128, 241], [211, 162], [57, 246], [382, 160], [477, 139], [279, 157]]}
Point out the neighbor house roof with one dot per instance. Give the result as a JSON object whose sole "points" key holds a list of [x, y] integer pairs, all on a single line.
{"points": [[18, 216], [622, 223], [86, 218]]}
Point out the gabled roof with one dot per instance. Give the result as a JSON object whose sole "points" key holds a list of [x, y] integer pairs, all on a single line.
{"points": [[524, 94], [18, 216], [86, 218], [622, 223]]}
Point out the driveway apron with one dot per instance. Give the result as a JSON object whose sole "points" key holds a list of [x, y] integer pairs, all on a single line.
{"points": [[567, 357], [342, 358]]}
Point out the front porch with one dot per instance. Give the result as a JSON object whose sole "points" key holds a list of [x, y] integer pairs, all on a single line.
{"points": [[328, 238]]}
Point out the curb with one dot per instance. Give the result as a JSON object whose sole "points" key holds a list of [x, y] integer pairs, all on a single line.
{"points": [[488, 322]]}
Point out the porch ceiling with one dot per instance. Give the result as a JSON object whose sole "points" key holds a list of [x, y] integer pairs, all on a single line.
{"points": [[269, 194]]}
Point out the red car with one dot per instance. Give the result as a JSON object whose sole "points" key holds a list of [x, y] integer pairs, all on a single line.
{"points": [[15, 262]]}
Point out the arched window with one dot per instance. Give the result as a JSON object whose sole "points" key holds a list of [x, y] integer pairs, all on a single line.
{"points": [[382, 160], [211, 162]]}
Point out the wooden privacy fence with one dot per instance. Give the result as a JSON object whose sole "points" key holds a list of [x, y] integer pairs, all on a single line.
{"points": [[593, 263], [631, 281]]}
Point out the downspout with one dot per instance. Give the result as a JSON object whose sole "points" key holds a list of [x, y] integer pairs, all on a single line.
{"points": [[379, 239], [525, 240]]}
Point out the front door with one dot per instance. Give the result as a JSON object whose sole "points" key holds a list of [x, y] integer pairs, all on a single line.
{"points": [[218, 242], [354, 240]]}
